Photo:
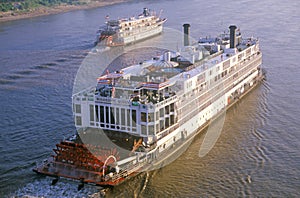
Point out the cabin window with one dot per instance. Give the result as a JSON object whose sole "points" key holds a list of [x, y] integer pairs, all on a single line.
{"points": [[117, 116], [151, 130], [128, 117], [133, 118], [123, 117], [112, 116], [78, 121], [144, 129], [161, 112], [167, 122], [106, 115], [226, 64], [92, 113], [248, 52], [240, 57], [167, 109], [172, 107], [102, 114], [162, 125], [172, 119], [143, 117], [77, 108], [150, 117], [157, 128], [97, 113]]}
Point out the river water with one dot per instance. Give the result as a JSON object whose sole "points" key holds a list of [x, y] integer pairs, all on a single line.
{"points": [[257, 154]]}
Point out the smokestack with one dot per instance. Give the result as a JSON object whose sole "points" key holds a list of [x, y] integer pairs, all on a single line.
{"points": [[145, 12], [232, 36], [186, 30]]}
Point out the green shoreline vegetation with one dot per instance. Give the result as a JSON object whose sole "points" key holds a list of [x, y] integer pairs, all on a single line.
{"points": [[19, 9], [28, 5]]}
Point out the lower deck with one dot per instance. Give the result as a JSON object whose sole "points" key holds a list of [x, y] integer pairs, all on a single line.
{"points": [[88, 167]]}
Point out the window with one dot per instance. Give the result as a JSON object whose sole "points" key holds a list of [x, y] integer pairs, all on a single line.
{"points": [[112, 116], [167, 109], [133, 118], [172, 107], [167, 122], [172, 119], [151, 130], [77, 108], [128, 117], [144, 129], [162, 125], [161, 112], [78, 120], [106, 114], [123, 116], [91, 112], [97, 113], [157, 128], [226, 64], [143, 117], [102, 114], [151, 117], [117, 116]]}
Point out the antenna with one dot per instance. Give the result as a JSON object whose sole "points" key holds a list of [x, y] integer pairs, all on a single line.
{"points": [[160, 12]]}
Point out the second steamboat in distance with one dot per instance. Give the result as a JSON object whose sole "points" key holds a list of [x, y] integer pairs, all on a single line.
{"points": [[130, 30], [153, 109]]}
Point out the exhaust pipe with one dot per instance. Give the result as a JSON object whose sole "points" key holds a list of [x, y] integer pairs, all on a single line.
{"points": [[232, 36], [186, 30]]}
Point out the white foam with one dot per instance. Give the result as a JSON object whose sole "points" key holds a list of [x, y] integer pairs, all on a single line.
{"points": [[63, 188]]}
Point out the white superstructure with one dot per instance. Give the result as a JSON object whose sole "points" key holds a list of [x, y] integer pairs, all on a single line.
{"points": [[165, 100], [130, 30]]}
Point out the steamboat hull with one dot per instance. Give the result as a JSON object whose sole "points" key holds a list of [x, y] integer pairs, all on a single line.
{"points": [[155, 109], [176, 150], [126, 31]]}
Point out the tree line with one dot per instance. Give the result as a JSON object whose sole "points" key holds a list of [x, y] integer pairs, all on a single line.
{"points": [[14, 5]]}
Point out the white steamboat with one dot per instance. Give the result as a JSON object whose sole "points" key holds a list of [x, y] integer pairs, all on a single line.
{"points": [[165, 101], [129, 30], [154, 109]]}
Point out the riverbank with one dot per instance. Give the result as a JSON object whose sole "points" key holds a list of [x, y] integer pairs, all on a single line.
{"points": [[42, 11]]}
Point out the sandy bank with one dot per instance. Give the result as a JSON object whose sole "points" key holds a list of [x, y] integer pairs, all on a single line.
{"points": [[10, 16]]}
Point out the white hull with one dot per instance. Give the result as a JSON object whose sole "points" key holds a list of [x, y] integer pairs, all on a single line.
{"points": [[142, 35]]}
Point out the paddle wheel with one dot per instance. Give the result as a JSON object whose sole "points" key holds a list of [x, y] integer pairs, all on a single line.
{"points": [[87, 163], [87, 157]]}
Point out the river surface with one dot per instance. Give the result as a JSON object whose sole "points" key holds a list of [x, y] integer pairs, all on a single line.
{"points": [[257, 154]]}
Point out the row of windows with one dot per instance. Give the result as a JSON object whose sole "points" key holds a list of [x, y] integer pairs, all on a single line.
{"points": [[114, 115], [205, 97]]}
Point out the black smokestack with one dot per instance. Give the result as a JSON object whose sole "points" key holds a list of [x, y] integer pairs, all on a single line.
{"points": [[186, 30], [232, 36]]}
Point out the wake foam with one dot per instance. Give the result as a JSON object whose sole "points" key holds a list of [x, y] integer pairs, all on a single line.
{"points": [[63, 189]]}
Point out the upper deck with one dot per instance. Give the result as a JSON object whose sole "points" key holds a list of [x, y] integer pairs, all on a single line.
{"points": [[153, 81], [146, 19], [149, 99]]}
